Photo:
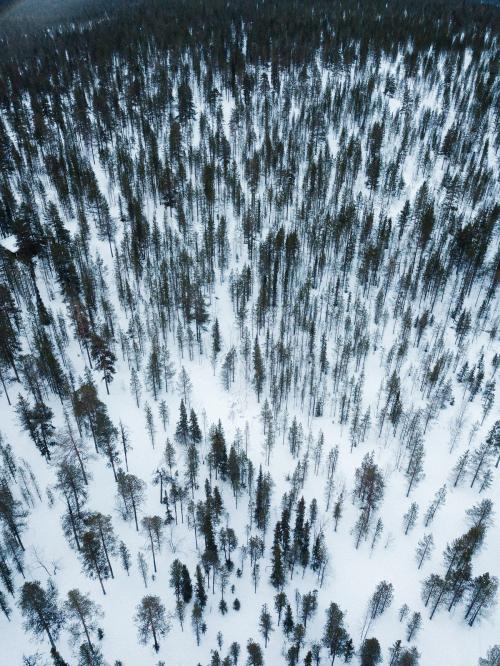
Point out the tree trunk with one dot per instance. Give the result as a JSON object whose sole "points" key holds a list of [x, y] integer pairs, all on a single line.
{"points": [[16, 534], [152, 551], [156, 645], [106, 551], [84, 624], [135, 514], [438, 600], [80, 461], [4, 387], [75, 533], [45, 626]]}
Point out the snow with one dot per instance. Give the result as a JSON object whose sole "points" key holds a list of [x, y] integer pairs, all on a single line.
{"points": [[9, 243], [352, 575]]}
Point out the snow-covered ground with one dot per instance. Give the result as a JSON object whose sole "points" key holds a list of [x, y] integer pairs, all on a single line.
{"points": [[352, 574]]}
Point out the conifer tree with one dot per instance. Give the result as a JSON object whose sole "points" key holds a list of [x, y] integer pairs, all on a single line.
{"points": [[41, 611], [83, 615], [335, 636], [258, 367], [370, 652], [197, 620], [182, 429], [277, 572], [125, 557], [103, 358], [151, 620], [194, 428], [152, 526], [265, 624]]}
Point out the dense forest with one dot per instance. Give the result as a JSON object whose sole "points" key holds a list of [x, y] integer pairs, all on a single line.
{"points": [[249, 325]]}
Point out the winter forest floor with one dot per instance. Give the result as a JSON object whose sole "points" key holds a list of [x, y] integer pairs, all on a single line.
{"points": [[307, 254]]}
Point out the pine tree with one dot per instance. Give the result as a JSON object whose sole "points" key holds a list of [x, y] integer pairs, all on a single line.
{"points": [[197, 620], [488, 398], [6, 574], [135, 386], [106, 439], [182, 429], [481, 597], [438, 501], [381, 599], [184, 386], [262, 500], [218, 450], [164, 414], [460, 468], [377, 533], [200, 594], [234, 651], [216, 342], [176, 578], [492, 658], [87, 406], [410, 517], [370, 652], [335, 636], [37, 421], [125, 557], [90, 657], [41, 612], [338, 510], [265, 624], [348, 650], [143, 567], [153, 370], [414, 471], [150, 425], [395, 653], [280, 603], [424, 549], [255, 656], [413, 626], [187, 588], [4, 606], [151, 620], [152, 526], [10, 344], [194, 428], [494, 440], [277, 573], [102, 527], [125, 441], [481, 515], [309, 606], [258, 366], [93, 557], [12, 513], [288, 623], [56, 658], [180, 611], [83, 614], [480, 459], [103, 358], [192, 467], [131, 495]]}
